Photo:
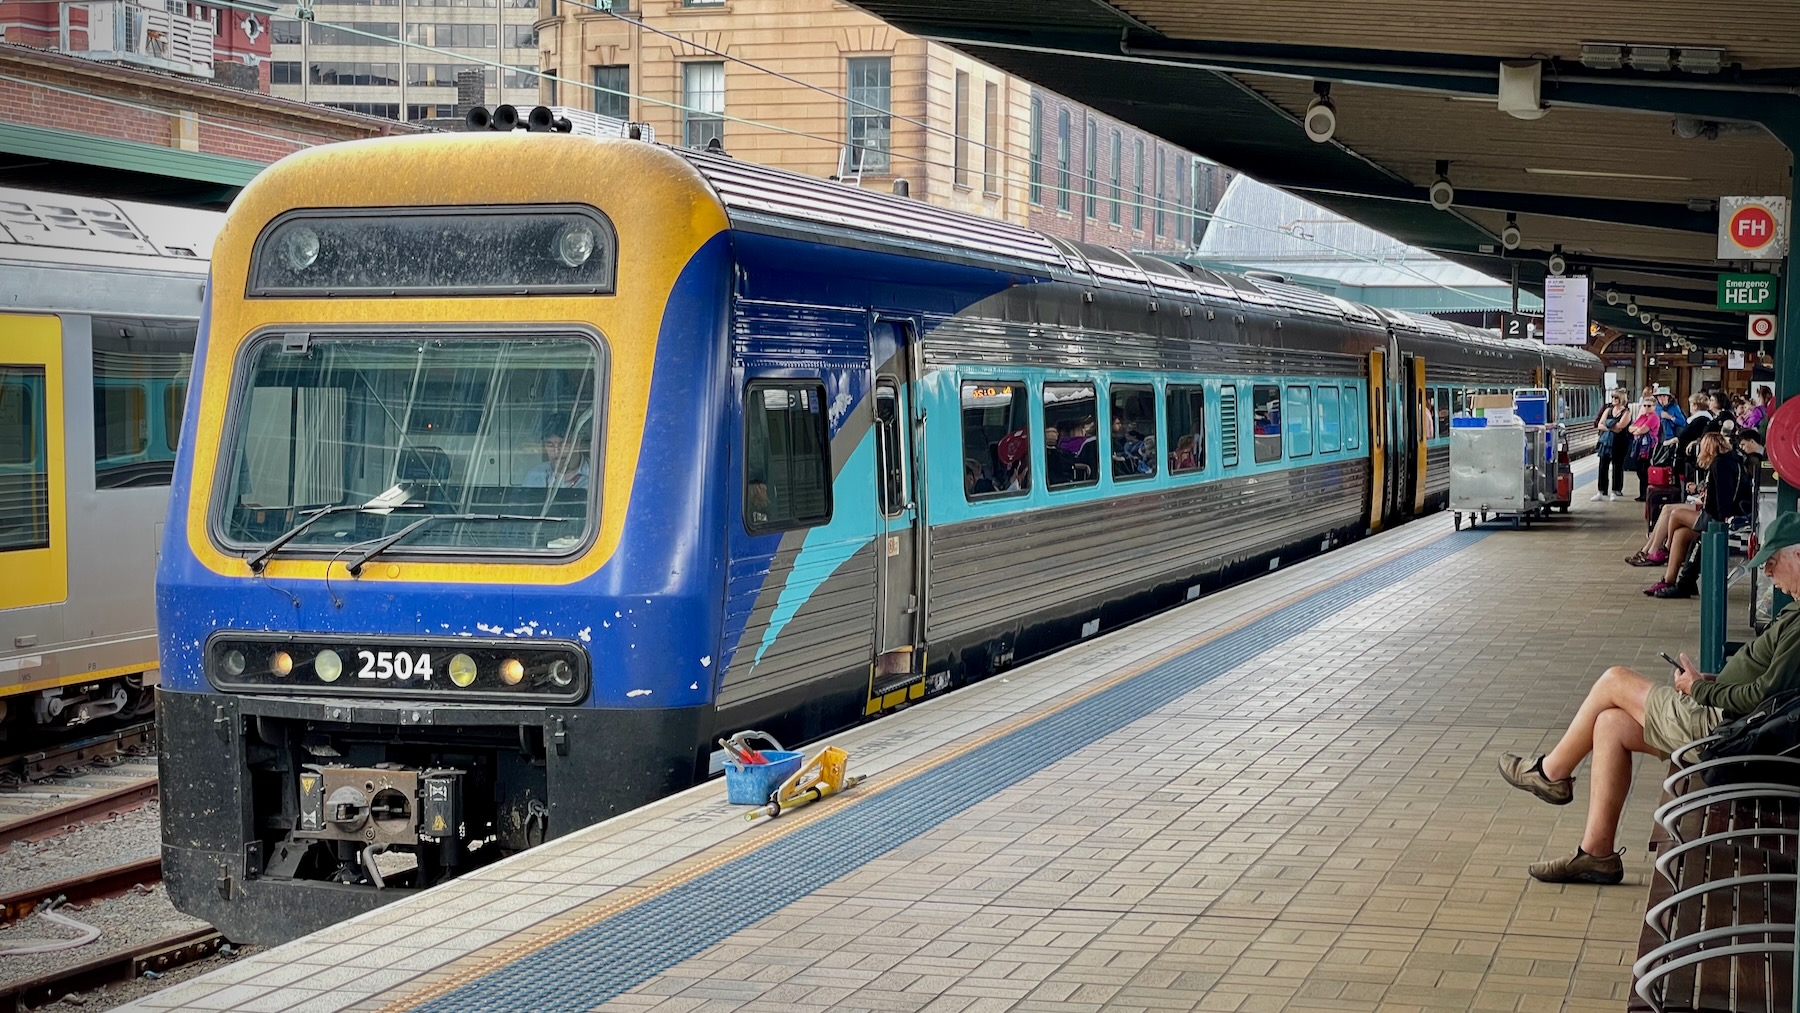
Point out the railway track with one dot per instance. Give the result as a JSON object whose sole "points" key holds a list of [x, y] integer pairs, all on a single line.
{"points": [[81, 889], [159, 955], [51, 759], [48, 823]]}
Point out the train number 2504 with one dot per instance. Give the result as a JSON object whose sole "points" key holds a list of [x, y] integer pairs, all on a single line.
{"points": [[394, 665]]}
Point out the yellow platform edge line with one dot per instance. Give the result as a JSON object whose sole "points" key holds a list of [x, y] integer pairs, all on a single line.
{"points": [[791, 823]]}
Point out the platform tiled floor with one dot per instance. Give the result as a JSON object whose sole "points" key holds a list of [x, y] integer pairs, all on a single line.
{"points": [[1318, 829]]}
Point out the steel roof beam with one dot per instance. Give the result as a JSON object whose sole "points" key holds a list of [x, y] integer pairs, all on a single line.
{"points": [[1645, 214]]}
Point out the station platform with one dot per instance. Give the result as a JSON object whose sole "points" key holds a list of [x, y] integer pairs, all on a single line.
{"points": [[1280, 797]]}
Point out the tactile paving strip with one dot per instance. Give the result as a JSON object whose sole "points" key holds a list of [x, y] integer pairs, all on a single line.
{"points": [[628, 948]]}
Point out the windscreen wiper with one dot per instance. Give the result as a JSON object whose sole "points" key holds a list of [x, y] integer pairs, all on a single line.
{"points": [[357, 564], [261, 559]]}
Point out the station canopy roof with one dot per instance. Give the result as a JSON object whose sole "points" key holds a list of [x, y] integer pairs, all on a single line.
{"points": [[1653, 110]]}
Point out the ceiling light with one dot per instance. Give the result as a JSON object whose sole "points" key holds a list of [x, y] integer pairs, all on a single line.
{"points": [[1651, 58], [1701, 61], [1602, 56], [1321, 114], [1510, 237], [1601, 174], [1442, 193], [1521, 88]]}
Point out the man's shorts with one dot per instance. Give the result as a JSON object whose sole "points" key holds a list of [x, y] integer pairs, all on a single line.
{"points": [[1673, 719]]}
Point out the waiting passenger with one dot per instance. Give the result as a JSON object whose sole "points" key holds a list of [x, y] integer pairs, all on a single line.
{"points": [[565, 464], [1720, 496], [1626, 713]]}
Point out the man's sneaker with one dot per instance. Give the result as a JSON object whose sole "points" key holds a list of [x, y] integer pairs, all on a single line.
{"points": [[1528, 775], [1597, 497], [1606, 870], [1614, 497]]}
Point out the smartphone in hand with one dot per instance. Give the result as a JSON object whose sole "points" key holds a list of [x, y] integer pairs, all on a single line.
{"points": [[1664, 655]]}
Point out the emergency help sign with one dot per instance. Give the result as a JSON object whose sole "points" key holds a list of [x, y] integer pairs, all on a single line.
{"points": [[1753, 228]]}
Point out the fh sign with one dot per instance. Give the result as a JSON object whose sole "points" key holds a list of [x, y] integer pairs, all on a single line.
{"points": [[1753, 228]]}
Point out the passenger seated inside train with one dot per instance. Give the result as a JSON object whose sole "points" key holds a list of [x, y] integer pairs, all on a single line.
{"points": [[565, 464], [1059, 464], [1186, 456]]}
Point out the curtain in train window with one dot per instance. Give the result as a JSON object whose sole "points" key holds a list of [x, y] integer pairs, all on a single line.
{"points": [[1328, 415], [1265, 401], [787, 457], [24, 460]]}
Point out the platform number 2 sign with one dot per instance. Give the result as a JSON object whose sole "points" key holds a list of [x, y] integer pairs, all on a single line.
{"points": [[1512, 325]]}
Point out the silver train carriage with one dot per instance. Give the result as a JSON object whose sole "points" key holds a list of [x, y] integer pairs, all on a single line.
{"points": [[99, 306]]}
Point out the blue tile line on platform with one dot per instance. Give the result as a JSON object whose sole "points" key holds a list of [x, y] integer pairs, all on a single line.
{"points": [[626, 949]]}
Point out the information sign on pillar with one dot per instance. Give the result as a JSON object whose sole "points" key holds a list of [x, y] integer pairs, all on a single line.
{"points": [[1753, 228], [1735, 360], [1566, 310]]}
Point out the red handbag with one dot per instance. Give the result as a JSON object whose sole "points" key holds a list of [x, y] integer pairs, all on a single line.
{"points": [[1658, 474]]}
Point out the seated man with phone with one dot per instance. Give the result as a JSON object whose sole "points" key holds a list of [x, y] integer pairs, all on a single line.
{"points": [[1627, 713]]}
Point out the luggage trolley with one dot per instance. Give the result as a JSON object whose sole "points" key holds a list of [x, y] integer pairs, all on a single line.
{"points": [[1506, 460]]}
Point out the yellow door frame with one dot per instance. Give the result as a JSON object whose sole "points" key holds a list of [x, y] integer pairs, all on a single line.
{"points": [[39, 576]]}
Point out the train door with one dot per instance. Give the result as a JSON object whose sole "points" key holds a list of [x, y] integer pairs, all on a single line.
{"points": [[1378, 414], [1411, 443], [898, 663], [33, 545]]}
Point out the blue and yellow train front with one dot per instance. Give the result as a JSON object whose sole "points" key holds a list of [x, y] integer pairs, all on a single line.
{"points": [[405, 626]]}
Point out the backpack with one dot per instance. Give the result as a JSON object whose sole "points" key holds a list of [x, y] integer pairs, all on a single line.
{"points": [[1772, 729]]}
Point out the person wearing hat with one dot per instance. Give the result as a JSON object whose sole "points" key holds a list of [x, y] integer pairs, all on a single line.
{"points": [[1627, 713]]}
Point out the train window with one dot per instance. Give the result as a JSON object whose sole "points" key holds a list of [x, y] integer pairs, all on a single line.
{"points": [[1430, 411], [329, 423], [1445, 405], [141, 370], [787, 456], [1265, 401], [24, 464], [1228, 426], [1187, 427], [1329, 416], [892, 480], [1352, 419], [174, 406], [1299, 421], [1071, 443], [996, 440], [1133, 425]]}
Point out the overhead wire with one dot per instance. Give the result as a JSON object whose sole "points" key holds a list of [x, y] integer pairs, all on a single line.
{"points": [[1041, 184]]}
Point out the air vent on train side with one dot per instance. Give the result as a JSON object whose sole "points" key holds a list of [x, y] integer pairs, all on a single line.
{"points": [[1228, 426]]}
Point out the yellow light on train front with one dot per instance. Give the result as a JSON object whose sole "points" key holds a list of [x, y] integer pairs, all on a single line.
{"points": [[512, 671], [282, 663], [462, 670], [575, 244], [328, 666]]}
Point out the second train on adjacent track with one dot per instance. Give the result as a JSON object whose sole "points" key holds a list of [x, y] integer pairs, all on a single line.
{"points": [[516, 476]]}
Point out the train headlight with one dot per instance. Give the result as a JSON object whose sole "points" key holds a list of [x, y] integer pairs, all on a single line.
{"points": [[328, 665], [462, 670], [282, 663], [561, 673], [300, 247], [575, 244], [512, 671], [234, 662]]}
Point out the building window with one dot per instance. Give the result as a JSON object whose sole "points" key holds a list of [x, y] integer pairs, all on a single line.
{"points": [[284, 32], [1090, 159], [1062, 160], [1181, 202], [523, 36], [1036, 195], [990, 151], [871, 100], [285, 72], [703, 96], [787, 456], [1118, 145], [612, 88], [960, 142], [1137, 207], [1161, 220], [549, 84], [702, 3]]}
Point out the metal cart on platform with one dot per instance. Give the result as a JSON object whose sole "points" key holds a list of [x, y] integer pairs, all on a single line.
{"points": [[1501, 467]]}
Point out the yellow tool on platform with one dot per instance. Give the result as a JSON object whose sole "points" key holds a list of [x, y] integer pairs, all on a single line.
{"points": [[822, 775]]}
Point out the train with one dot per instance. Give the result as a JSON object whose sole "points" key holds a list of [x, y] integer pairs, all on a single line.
{"points": [[517, 475], [100, 303]]}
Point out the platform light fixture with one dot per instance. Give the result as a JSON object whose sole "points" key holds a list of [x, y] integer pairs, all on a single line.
{"points": [[1511, 237], [1443, 195], [1321, 114]]}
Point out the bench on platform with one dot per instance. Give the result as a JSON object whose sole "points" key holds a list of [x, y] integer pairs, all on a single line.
{"points": [[1719, 926]]}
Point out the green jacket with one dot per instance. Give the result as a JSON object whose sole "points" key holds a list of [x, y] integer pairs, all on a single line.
{"points": [[1767, 665]]}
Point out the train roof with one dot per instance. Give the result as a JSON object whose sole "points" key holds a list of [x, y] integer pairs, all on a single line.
{"points": [[41, 227], [763, 198]]}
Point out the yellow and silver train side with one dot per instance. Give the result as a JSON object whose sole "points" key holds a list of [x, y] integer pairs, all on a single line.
{"points": [[99, 307]]}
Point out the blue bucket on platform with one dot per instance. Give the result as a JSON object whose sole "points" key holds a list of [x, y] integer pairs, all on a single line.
{"points": [[752, 783], [1532, 405]]}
